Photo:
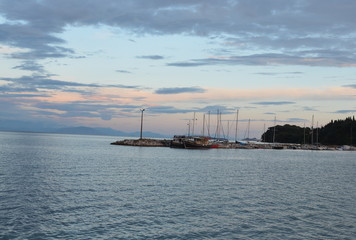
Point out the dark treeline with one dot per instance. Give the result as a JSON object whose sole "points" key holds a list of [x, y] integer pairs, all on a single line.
{"points": [[338, 132]]}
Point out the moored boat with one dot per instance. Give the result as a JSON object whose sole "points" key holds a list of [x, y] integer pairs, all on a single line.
{"points": [[190, 142]]}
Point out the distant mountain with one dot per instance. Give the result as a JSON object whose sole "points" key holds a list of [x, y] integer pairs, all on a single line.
{"points": [[105, 131], [79, 130], [27, 126], [148, 134]]}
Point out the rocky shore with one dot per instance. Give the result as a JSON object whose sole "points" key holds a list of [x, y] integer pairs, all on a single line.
{"points": [[143, 142]]}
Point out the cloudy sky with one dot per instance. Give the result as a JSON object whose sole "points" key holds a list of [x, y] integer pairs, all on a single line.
{"points": [[97, 62]]}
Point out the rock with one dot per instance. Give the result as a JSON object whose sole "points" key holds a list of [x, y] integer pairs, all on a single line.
{"points": [[145, 142]]}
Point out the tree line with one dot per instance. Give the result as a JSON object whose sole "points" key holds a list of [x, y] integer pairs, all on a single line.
{"points": [[338, 132]]}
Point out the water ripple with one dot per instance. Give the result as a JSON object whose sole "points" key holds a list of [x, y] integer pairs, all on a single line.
{"points": [[80, 187]]}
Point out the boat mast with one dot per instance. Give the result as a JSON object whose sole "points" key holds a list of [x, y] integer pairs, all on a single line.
{"points": [[188, 128], [209, 124], [193, 124], [204, 124], [217, 124], [274, 130], [237, 121], [221, 127], [312, 140]]}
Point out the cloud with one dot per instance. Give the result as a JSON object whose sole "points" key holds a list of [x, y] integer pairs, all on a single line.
{"points": [[213, 109], [350, 86], [309, 109], [189, 64], [272, 59], [296, 120], [167, 109], [273, 103], [120, 86], [217, 109], [346, 111], [122, 71], [277, 73], [152, 57], [178, 90], [30, 66], [22, 95], [83, 109], [282, 29], [35, 82]]}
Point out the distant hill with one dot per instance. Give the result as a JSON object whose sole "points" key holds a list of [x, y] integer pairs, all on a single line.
{"points": [[88, 131], [28, 126], [339, 132]]}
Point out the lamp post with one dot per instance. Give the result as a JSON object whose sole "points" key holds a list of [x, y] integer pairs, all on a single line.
{"points": [[142, 109]]}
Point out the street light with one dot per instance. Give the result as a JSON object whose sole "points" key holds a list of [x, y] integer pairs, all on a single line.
{"points": [[142, 109]]}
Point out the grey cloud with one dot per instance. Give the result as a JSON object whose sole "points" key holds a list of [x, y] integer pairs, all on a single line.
{"points": [[214, 109], [44, 82], [292, 120], [178, 90], [272, 59], [350, 86], [152, 57], [273, 103], [167, 109], [172, 110], [105, 112], [30, 66], [121, 86], [82, 106], [84, 109], [188, 64], [309, 109], [122, 71], [346, 111], [277, 73], [34, 82], [20, 95], [271, 25], [11, 87], [41, 44]]}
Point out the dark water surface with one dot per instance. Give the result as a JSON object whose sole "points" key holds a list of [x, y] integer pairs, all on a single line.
{"points": [[80, 187]]}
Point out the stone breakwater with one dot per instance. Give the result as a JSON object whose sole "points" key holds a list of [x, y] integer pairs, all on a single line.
{"points": [[147, 142], [143, 142]]}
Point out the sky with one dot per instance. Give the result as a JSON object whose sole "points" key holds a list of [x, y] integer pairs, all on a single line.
{"points": [[96, 63]]}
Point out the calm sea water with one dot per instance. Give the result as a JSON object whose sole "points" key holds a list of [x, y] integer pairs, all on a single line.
{"points": [[56, 186]]}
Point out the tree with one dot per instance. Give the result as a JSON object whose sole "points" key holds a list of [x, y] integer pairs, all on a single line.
{"points": [[338, 132]]}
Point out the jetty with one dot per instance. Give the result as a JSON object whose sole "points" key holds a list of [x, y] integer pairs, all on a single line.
{"points": [[149, 142], [143, 142]]}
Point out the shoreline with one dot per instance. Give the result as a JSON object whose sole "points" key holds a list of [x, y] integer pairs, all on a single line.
{"points": [[149, 142]]}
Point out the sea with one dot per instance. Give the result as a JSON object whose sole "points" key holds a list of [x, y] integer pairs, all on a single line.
{"points": [[57, 186]]}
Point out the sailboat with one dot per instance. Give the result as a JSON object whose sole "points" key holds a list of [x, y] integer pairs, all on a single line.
{"points": [[191, 142]]}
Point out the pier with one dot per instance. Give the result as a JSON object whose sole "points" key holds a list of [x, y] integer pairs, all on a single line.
{"points": [[148, 142]]}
